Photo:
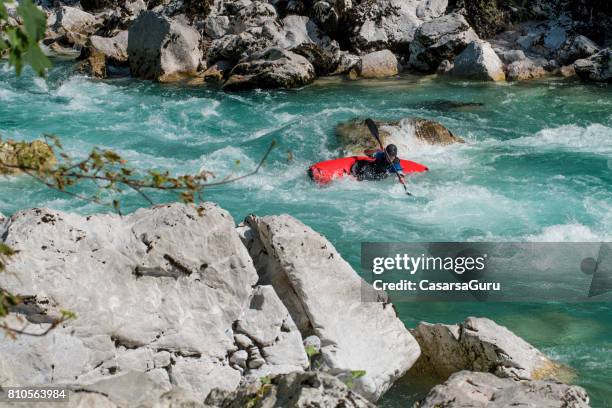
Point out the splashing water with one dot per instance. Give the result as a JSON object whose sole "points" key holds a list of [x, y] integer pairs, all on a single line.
{"points": [[536, 166]]}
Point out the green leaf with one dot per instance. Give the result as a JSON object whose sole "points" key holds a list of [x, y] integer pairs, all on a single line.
{"points": [[357, 374], [311, 351], [34, 21], [37, 59]]}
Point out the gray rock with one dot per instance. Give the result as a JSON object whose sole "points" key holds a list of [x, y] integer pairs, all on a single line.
{"points": [[114, 48], [378, 64], [268, 323], [524, 70], [302, 36], [468, 389], [479, 344], [163, 49], [597, 67], [101, 54], [242, 341], [216, 26], [478, 61], [130, 388], [239, 358], [347, 62], [314, 342], [306, 272], [152, 280], [71, 25], [444, 67], [294, 390], [200, 376], [577, 47], [254, 14], [237, 47], [510, 56], [272, 68], [256, 363], [389, 24], [439, 39]]}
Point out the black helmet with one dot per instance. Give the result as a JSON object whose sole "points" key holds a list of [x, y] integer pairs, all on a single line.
{"points": [[391, 150]]}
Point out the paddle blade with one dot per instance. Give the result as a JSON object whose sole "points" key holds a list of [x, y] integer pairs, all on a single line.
{"points": [[373, 128]]}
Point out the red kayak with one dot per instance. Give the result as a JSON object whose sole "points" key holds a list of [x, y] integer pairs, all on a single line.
{"points": [[325, 171]]}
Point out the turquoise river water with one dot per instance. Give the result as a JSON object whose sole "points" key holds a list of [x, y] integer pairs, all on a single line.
{"points": [[537, 166]]}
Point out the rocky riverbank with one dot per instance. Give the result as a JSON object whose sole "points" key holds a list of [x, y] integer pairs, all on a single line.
{"points": [[177, 304], [245, 44]]}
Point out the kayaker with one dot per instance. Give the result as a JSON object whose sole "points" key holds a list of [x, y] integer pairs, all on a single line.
{"points": [[382, 165]]}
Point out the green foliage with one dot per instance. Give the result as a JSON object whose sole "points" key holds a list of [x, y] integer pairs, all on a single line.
{"points": [[106, 171], [355, 374], [266, 386], [311, 351], [21, 41]]}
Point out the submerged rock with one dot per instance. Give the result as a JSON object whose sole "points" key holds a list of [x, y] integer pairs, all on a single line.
{"points": [[468, 389], [32, 155], [478, 61], [479, 344], [378, 64], [439, 39], [597, 67], [272, 68], [355, 137], [163, 49], [295, 390], [306, 271]]}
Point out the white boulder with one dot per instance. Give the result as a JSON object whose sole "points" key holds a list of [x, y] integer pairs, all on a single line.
{"points": [[483, 390], [440, 39], [163, 49], [480, 344], [478, 61], [172, 279], [327, 298], [378, 64]]}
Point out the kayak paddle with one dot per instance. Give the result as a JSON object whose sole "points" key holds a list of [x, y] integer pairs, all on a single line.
{"points": [[374, 130]]}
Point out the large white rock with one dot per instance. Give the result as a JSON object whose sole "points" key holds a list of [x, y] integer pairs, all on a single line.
{"points": [[483, 390], [440, 39], [478, 61], [324, 296], [160, 285], [163, 49], [480, 344], [378, 64]]}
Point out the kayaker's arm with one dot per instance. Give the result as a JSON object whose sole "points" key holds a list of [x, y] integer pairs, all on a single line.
{"points": [[371, 152]]}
